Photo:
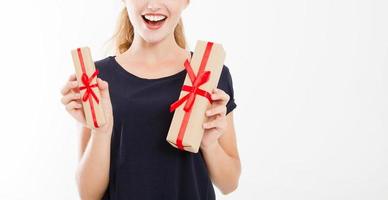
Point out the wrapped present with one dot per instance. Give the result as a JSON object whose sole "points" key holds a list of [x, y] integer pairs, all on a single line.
{"points": [[86, 74], [203, 73]]}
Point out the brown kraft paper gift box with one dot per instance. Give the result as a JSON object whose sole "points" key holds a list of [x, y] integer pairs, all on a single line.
{"points": [[87, 80], [208, 56]]}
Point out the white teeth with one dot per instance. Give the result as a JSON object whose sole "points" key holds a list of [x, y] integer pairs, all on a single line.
{"points": [[154, 17]]}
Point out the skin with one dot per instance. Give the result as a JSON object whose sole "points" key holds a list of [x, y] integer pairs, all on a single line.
{"points": [[153, 54]]}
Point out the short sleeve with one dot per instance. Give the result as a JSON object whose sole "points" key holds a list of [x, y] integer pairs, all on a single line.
{"points": [[226, 84], [103, 71]]}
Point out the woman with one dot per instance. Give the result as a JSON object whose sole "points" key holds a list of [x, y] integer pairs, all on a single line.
{"points": [[129, 157]]}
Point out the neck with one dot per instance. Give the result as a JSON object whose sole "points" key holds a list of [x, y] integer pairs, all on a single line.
{"points": [[151, 53]]}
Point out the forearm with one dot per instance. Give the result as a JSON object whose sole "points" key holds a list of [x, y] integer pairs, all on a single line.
{"points": [[224, 170], [93, 170]]}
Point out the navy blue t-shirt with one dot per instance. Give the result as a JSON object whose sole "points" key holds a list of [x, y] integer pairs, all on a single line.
{"points": [[143, 165]]}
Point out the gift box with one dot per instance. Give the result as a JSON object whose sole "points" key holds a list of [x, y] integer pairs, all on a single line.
{"points": [[203, 73], [86, 74]]}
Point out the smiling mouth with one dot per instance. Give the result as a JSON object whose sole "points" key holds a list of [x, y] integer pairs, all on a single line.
{"points": [[154, 20]]}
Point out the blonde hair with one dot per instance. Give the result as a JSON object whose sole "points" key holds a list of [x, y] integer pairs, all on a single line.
{"points": [[124, 33]]}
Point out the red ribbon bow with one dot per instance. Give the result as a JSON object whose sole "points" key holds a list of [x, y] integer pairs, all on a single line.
{"points": [[194, 90], [86, 86]]}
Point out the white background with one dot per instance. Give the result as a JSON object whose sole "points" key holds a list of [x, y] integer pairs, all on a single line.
{"points": [[310, 80]]}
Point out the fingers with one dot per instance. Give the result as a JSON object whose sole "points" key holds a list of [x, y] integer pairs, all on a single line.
{"points": [[73, 105], [69, 85], [72, 77], [102, 85], [218, 123], [217, 110], [220, 107], [213, 131], [70, 97], [104, 88], [220, 95]]}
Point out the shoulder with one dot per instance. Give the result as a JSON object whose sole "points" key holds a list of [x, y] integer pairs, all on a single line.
{"points": [[226, 84], [104, 66], [102, 63], [225, 69], [225, 81]]}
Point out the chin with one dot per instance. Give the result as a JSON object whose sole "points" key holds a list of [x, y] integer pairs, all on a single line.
{"points": [[154, 38]]}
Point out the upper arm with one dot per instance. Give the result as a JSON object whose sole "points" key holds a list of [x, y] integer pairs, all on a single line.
{"points": [[83, 141]]}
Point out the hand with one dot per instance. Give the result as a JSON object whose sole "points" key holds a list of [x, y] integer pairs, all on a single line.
{"points": [[72, 100], [215, 124]]}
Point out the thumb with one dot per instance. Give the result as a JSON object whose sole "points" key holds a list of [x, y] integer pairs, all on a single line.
{"points": [[104, 88]]}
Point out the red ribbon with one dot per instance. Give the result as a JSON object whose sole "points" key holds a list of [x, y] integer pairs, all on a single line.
{"points": [[86, 81], [194, 90]]}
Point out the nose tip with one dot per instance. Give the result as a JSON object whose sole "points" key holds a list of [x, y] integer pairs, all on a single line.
{"points": [[153, 6]]}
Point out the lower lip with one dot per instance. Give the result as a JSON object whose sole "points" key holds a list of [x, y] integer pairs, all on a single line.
{"points": [[156, 26]]}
